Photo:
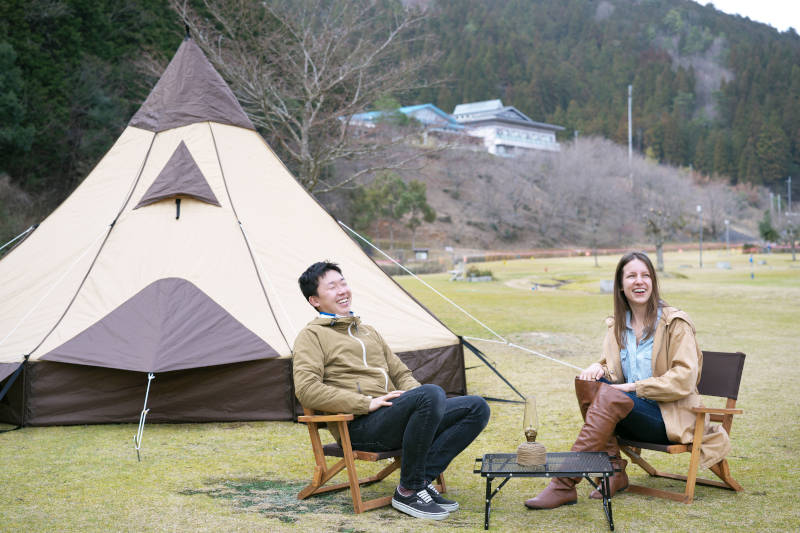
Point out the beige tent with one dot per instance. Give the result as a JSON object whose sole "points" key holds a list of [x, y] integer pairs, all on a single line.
{"points": [[179, 256]]}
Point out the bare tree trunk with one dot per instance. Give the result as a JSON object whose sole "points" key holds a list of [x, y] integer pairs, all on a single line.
{"points": [[660, 255]]}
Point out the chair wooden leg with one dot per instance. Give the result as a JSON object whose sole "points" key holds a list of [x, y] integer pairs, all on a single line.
{"points": [[694, 462], [723, 472], [350, 464], [634, 454], [441, 486]]}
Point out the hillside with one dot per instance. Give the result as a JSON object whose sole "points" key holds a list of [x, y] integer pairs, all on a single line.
{"points": [[582, 196], [712, 92]]}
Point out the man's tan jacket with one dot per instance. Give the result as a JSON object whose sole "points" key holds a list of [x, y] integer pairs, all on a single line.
{"points": [[340, 364], [677, 362]]}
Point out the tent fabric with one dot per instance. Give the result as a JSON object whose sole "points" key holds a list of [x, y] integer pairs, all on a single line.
{"points": [[6, 369], [65, 394], [189, 91], [443, 366], [102, 290], [168, 325], [180, 177]]}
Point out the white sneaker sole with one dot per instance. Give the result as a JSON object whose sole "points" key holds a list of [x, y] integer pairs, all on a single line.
{"points": [[403, 508]]}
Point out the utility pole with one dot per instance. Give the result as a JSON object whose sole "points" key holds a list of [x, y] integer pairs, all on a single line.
{"points": [[771, 204], [789, 194], [630, 124], [700, 212], [630, 151], [779, 205]]}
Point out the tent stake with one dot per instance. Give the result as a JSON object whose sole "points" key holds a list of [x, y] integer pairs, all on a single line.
{"points": [[137, 439]]}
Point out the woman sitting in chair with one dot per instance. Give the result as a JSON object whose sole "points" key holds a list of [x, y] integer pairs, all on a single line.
{"points": [[643, 387]]}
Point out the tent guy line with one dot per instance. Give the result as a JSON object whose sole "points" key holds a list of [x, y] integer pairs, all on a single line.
{"points": [[30, 229], [451, 302]]}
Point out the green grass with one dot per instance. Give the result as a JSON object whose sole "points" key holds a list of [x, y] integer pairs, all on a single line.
{"points": [[244, 476]]}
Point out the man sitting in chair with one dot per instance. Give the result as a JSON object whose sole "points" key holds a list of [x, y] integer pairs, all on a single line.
{"points": [[344, 366]]}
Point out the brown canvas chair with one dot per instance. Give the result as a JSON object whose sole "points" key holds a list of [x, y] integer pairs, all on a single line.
{"points": [[722, 373], [323, 472]]}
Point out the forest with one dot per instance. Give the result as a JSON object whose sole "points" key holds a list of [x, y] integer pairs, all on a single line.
{"points": [[715, 93]]}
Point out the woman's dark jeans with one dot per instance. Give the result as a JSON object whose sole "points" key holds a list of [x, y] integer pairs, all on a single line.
{"points": [[430, 427], [644, 422]]}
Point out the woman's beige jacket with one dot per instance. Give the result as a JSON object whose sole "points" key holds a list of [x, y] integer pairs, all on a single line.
{"points": [[677, 362]]}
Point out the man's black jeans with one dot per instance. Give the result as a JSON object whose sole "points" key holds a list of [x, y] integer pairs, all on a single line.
{"points": [[431, 428]]}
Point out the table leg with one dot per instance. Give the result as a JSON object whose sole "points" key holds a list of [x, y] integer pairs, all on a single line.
{"points": [[607, 501], [488, 502]]}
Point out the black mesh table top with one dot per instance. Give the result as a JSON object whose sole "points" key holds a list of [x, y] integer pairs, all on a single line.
{"points": [[558, 463], [584, 465]]}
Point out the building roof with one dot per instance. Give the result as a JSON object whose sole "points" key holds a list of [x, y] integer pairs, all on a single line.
{"points": [[414, 112], [473, 113]]}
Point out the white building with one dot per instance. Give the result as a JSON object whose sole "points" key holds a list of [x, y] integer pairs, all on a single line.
{"points": [[505, 130]]}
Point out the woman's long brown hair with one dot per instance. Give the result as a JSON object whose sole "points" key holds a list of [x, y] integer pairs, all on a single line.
{"points": [[621, 305]]}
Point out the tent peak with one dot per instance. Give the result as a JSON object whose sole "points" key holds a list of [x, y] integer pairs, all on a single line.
{"points": [[189, 91]]}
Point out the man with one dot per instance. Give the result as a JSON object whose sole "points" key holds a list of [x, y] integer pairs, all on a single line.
{"points": [[344, 366]]}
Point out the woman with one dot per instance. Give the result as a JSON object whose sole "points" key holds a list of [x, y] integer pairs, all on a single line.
{"points": [[643, 387]]}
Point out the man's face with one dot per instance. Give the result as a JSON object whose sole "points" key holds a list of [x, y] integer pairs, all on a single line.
{"points": [[333, 294]]}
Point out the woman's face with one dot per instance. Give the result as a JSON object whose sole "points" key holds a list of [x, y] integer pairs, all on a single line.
{"points": [[637, 285]]}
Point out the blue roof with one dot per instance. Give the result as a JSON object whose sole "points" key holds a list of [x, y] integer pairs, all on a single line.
{"points": [[410, 110]]}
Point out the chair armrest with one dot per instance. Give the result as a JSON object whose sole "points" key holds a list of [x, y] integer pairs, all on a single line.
{"points": [[717, 410], [325, 418]]}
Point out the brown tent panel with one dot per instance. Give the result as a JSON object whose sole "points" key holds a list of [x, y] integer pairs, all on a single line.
{"points": [[61, 394], [168, 325], [189, 91]]}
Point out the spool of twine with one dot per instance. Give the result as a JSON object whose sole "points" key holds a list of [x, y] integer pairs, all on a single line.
{"points": [[531, 454]]}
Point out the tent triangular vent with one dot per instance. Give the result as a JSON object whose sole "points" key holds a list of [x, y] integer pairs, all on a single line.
{"points": [[189, 91], [180, 176]]}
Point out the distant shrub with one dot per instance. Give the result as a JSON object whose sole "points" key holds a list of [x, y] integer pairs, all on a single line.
{"points": [[475, 272]]}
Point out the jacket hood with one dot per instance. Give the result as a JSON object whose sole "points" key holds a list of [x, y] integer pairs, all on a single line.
{"points": [[668, 314], [334, 320]]}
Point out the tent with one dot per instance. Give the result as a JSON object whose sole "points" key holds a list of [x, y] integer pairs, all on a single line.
{"points": [[178, 255]]}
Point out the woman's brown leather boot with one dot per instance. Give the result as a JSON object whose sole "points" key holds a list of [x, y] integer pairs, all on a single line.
{"points": [[608, 408]]}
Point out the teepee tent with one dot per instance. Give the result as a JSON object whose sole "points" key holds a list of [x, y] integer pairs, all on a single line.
{"points": [[179, 255]]}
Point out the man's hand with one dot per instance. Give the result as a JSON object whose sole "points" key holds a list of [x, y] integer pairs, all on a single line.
{"points": [[592, 373], [382, 401]]}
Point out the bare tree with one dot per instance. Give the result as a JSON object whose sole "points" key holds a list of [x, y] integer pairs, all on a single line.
{"points": [[667, 197], [593, 169], [719, 204], [303, 68]]}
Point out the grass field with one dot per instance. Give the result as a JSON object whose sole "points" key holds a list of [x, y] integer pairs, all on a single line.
{"points": [[244, 476]]}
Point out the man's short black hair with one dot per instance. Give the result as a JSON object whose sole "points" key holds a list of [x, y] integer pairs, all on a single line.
{"points": [[309, 280]]}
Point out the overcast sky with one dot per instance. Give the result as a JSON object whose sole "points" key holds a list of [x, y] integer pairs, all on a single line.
{"points": [[779, 14]]}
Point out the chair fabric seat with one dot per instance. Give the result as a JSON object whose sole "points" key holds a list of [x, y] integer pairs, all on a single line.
{"points": [[666, 448], [334, 450]]}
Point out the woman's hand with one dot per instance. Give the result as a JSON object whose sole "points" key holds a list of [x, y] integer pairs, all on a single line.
{"points": [[592, 373], [382, 401], [625, 387]]}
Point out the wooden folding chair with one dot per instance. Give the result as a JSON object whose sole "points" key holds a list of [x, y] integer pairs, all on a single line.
{"points": [[722, 373], [323, 472]]}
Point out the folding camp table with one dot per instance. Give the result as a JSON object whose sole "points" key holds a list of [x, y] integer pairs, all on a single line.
{"points": [[559, 464]]}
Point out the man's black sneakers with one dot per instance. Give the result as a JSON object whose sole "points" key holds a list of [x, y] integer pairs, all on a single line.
{"points": [[420, 504], [441, 501]]}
